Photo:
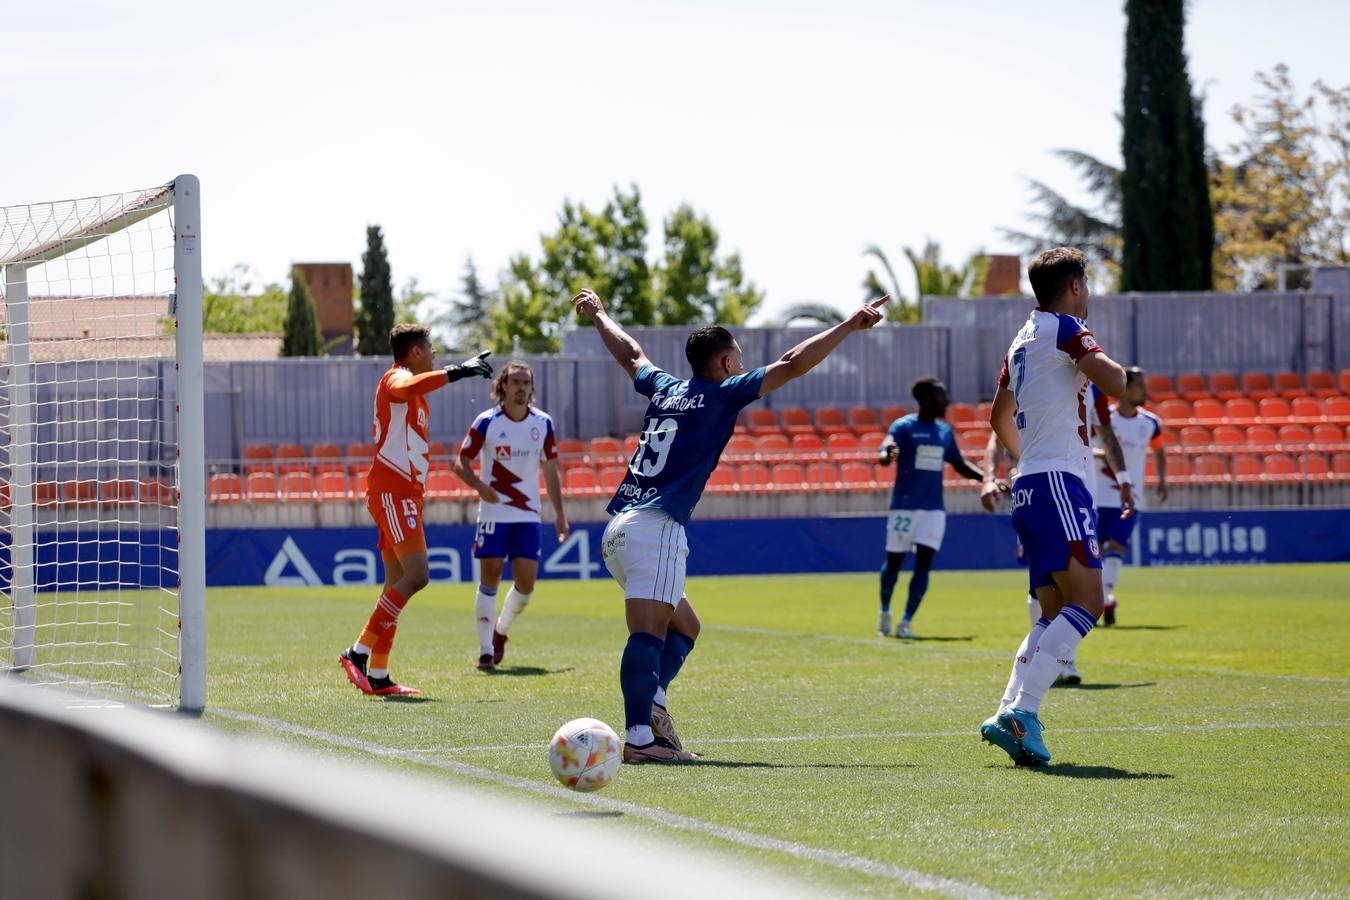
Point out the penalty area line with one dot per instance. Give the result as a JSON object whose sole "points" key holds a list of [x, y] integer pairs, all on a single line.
{"points": [[836, 858]]}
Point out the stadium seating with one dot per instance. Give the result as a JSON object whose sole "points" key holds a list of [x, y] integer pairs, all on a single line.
{"points": [[291, 458], [863, 419], [1337, 409], [755, 475], [960, 415], [630, 445], [872, 440], [83, 492], [1305, 410], [1289, 385], [1296, 434], [1191, 386], [1159, 388], [157, 492], [842, 442], [890, 413], [359, 457], [438, 457], [225, 487], [607, 478], [741, 443], [331, 486], [326, 458], [1322, 385], [774, 443], [808, 443], [796, 421], [1237, 412], [257, 458], [1246, 465], [441, 484], [1210, 412], [788, 476], [1262, 434], [1281, 467], [1326, 433], [723, 479], [1224, 386], [822, 476], [1177, 412], [121, 491], [602, 447], [760, 420], [1228, 435], [830, 420], [982, 413], [297, 487], [580, 480], [1195, 436], [1273, 410], [1257, 385], [261, 487]]}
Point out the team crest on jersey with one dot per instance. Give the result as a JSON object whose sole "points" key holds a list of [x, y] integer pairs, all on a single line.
{"points": [[1087, 342], [503, 452], [534, 433], [1093, 548], [421, 418], [412, 523]]}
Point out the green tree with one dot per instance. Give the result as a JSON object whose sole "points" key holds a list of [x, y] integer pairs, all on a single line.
{"points": [[408, 303], [468, 319], [605, 251], [300, 333], [932, 277], [524, 309], [1166, 218], [694, 286], [1283, 194], [375, 312], [816, 313], [232, 305]]}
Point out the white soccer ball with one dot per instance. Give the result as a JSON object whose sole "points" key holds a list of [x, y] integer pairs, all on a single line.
{"points": [[585, 754]]}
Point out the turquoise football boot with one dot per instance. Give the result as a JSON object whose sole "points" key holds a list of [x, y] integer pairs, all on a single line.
{"points": [[994, 733], [1026, 727]]}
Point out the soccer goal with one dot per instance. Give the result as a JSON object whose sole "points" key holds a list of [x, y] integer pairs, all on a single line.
{"points": [[102, 499]]}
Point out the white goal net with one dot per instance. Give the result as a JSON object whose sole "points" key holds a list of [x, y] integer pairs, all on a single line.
{"points": [[101, 459]]}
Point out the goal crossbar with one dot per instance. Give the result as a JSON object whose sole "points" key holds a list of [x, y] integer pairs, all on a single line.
{"points": [[78, 223]]}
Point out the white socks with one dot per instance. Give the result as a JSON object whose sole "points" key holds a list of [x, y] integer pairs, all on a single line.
{"points": [[639, 735], [359, 647], [1021, 661], [512, 606], [1033, 608], [1111, 564], [484, 611], [1057, 647], [660, 698]]}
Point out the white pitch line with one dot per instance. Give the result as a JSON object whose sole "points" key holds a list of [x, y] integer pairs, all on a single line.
{"points": [[884, 643], [911, 877], [901, 735]]}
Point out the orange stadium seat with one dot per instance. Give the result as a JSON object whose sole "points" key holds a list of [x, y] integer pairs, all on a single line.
{"points": [[572, 455], [722, 480], [741, 443], [257, 458], [788, 476], [1224, 386], [1327, 433], [630, 445], [331, 487], [297, 487], [119, 490], [959, 414], [842, 442], [1343, 382], [158, 492], [863, 419], [754, 475], [360, 482], [1314, 465], [1195, 436], [1281, 467], [438, 457], [1227, 434], [872, 440], [1340, 464], [1178, 466], [983, 411], [1191, 386], [830, 420], [1209, 466], [774, 443], [225, 488], [326, 458], [972, 439], [1247, 466], [822, 476], [580, 479], [1257, 385], [1175, 411], [359, 457], [1306, 410], [1159, 388], [261, 487], [1299, 435], [890, 413], [1289, 385], [1240, 411], [1322, 384], [759, 420], [1274, 410], [1262, 434], [440, 484], [606, 446], [807, 443], [796, 421], [856, 476], [608, 477], [83, 492], [1337, 409], [1208, 412], [291, 458]]}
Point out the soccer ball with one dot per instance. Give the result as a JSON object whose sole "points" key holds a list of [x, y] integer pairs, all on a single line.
{"points": [[585, 754]]}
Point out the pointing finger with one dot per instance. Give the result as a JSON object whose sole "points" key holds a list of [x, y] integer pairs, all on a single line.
{"points": [[880, 302]]}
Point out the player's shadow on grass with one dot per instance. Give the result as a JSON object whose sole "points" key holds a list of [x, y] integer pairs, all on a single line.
{"points": [[1146, 627], [519, 671], [1110, 773], [591, 814], [1102, 686], [937, 638], [755, 764], [411, 698]]}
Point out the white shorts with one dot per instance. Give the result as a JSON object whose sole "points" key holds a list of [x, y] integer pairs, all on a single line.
{"points": [[907, 527], [645, 550]]}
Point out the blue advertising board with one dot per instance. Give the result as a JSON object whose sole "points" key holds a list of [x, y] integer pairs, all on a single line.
{"points": [[299, 557]]}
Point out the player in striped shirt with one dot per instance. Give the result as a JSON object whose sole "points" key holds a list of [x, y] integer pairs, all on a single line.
{"points": [[394, 492]]}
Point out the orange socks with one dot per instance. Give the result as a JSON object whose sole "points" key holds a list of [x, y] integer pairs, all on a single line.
{"points": [[380, 628]]}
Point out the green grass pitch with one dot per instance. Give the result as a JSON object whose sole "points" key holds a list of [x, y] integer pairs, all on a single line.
{"points": [[1208, 752]]}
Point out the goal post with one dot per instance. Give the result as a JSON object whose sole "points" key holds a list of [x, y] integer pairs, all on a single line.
{"points": [[102, 476]]}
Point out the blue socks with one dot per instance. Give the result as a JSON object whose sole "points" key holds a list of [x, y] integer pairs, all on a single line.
{"points": [[918, 586], [678, 646], [640, 674], [889, 577]]}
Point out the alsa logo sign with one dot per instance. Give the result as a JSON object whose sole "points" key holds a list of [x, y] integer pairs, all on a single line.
{"points": [[1206, 543], [292, 567]]}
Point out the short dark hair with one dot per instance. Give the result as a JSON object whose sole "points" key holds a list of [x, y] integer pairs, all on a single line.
{"points": [[1053, 271], [925, 389], [706, 343], [1133, 373], [404, 336]]}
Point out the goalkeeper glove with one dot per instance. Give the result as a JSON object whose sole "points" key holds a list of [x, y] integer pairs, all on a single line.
{"points": [[476, 365]]}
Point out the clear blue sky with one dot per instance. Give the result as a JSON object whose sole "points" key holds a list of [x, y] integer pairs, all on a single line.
{"points": [[805, 130]]}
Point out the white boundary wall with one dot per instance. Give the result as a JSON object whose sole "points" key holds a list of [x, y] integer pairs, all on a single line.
{"points": [[126, 802]]}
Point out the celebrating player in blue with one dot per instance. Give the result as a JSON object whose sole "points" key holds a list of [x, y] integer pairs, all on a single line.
{"points": [[1040, 415], [687, 424], [921, 445]]}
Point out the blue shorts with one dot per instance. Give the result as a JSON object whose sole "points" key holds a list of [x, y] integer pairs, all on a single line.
{"points": [[1111, 527], [506, 540], [1055, 520]]}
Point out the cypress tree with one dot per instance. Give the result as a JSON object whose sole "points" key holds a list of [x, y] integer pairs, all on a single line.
{"points": [[300, 333], [375, 317], [1168, 223]]}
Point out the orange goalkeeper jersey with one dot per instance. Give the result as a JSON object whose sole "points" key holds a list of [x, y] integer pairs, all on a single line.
{"points": [[400, 429]]}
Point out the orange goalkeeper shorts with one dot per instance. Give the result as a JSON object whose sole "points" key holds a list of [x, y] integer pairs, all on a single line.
{"points": [[399, 519]]}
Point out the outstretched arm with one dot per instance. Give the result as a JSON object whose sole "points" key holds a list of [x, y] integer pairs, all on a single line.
{"points": [[626, 351], [811, 352]]}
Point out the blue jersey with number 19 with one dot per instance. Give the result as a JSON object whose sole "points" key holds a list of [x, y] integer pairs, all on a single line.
{"points": [[687, 424]]}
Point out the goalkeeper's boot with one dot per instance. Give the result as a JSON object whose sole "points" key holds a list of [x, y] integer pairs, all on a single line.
{"points": [[663, 726], [659, 750], [1026, 727], [498, 647], [1069, 675], [485, 663], [387, 687], [354, 664], [1109, 612], [884, 626]]}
